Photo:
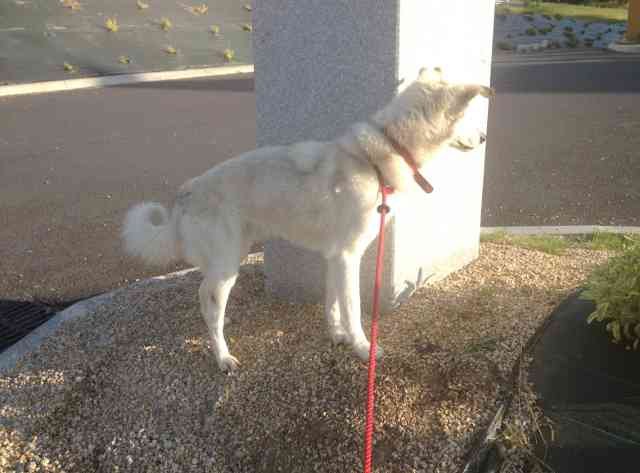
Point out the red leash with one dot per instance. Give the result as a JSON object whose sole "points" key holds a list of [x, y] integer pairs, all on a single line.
{"points": [[384, 210], [371, 380]]}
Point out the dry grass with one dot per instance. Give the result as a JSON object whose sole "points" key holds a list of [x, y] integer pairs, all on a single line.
{"points": [[135, 387], [196, 9], [71, 4], [605, 13]]}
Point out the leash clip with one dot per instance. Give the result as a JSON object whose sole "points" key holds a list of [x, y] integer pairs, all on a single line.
{"points": [[384, 209]]}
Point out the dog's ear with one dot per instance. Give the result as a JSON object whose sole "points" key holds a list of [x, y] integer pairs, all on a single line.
{"points": [[430, 74], [485, 91], [463, 94]]}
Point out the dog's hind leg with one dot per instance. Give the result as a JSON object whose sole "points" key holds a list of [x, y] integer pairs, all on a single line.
{"points": [[337, 331], [214, 291], [346, 271]]}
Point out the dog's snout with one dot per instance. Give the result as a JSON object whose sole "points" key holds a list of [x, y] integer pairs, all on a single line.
{"points": [[483, 138]]}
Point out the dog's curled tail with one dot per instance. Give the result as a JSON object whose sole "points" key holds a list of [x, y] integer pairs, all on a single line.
{"points": [[149, 233]]}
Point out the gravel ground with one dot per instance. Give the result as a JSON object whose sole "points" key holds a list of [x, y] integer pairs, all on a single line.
{"points": [[135, 388]]}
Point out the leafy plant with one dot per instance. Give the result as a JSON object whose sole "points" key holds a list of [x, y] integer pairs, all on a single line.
{"points": [[247, 27], [215, 30], [69, 67], [615, 289], [572, 42], [504, 46], [170, 50], [142, 5], [124, 60], [531, 32]]}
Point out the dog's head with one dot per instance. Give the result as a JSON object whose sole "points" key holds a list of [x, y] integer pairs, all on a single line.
{"points": [[433, 113]]}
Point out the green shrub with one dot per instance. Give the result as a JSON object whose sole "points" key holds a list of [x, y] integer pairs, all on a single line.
{"points": [[615, 289], [504, 46], [531, 32], [572, 42]]}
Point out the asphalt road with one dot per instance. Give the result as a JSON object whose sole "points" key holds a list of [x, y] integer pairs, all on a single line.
{"points": [[38, 36], [564, 140], [562, 148]]}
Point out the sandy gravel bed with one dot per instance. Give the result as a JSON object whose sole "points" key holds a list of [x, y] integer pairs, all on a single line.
{"points": [[135, 387]]}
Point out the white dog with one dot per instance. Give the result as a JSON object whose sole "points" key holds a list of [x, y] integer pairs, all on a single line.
{"points": [[319, 195]]}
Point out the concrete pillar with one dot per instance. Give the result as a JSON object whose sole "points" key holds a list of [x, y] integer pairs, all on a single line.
{"points": [[633, 28], [321, 65]]}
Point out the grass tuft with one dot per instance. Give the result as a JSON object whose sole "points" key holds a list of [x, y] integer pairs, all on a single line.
{"points": [[111, 24], [228, 55], [165, 24], [69, 68]]}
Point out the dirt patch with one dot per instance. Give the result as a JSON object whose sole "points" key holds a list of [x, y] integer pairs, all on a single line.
{"points": [[135, 387]]}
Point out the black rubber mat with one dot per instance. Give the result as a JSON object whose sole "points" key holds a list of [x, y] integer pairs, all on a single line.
{"points": [[590, 389], [19, 318]]}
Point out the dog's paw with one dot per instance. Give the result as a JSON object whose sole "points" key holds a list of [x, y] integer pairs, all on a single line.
{"points": [[228, 364], [340, 337], [362, 351]]}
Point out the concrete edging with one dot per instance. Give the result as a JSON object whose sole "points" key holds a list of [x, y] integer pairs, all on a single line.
{"points": [[560, 230], [10, 357], [121, 79], [31, 342], [624, 47]]}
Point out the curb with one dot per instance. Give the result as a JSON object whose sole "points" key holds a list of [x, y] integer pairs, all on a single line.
{"points": [[624, 47], [560, 230], [120, 79]]}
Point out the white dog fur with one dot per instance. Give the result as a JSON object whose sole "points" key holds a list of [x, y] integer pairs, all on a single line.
{"points": [[319, 195]]}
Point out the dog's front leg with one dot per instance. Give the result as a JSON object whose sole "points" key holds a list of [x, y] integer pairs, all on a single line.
{"points": [[347, 274]]}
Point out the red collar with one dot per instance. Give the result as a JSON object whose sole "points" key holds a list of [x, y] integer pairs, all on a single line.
{"points": [[408, 158]]}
